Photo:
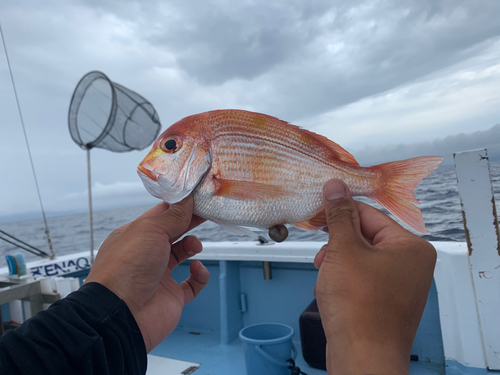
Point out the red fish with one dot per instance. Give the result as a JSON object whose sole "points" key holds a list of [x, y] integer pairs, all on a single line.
{"points": [[251, 169]]}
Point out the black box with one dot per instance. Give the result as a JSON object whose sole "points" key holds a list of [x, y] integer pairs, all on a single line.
{"points": [[312, 337]]}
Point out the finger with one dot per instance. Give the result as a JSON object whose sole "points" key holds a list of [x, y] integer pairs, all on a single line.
{"points": [[184, 249], [156, 210], [195, 283], [341, 212], [195, 221], [377, 226], [175, 221], [159, 209], [320, 256]]}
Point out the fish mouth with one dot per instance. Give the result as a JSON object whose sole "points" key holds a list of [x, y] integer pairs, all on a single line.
{"points": [[147, 172]]}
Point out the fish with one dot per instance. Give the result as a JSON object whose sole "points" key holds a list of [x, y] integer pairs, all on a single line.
{"points": [[247, 169]]}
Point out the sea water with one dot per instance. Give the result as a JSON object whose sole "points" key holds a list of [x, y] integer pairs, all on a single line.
{"points": [[438, 196]]}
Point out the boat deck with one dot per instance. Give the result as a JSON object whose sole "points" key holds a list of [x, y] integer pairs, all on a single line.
{"points": [[203, 349]]}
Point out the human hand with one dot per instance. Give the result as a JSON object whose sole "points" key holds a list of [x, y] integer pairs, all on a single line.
{"points": [[373, 281], [136, 260]]}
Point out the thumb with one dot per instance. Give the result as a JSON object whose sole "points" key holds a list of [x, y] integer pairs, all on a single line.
{"points": [[176, 219], [342, 216]]}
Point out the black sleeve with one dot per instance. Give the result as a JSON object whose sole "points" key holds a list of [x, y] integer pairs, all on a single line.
{"points": [[91, 331]]}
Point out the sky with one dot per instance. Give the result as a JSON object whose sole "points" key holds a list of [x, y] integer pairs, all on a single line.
{"points": [[386, 80]]}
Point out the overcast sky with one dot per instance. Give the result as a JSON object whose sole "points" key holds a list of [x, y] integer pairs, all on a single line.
{"points": [[385, 79]]}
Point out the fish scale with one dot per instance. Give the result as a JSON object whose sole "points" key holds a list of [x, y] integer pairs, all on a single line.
{"points": [[260, 214], [251, 158], [254, 159], [290, 136], [250, 169]]}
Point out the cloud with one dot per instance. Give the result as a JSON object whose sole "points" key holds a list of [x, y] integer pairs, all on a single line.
{"points": [[294, 60], [365, 74], [116, 194], [307, 58], [62, 178], [103, 191], [461, 98]]}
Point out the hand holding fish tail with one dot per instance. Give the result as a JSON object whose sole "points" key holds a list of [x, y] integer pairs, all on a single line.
{"points": [[373, 281], [135, 262]]}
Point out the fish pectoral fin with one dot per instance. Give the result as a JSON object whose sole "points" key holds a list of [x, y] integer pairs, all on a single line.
{"points": [[250, 190], [317, 222], [242, 231]]}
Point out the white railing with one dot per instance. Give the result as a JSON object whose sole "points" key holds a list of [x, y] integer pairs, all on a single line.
{"points": [[468, 277]]}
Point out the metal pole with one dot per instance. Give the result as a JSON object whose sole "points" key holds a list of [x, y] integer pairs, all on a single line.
{"points": [[90, 210], [268, 271]]}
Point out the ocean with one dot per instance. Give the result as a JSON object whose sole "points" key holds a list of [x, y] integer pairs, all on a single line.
{"points": [[438, 196]]}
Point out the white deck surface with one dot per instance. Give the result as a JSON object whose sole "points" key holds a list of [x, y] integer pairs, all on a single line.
{"points": [[167, 366]]}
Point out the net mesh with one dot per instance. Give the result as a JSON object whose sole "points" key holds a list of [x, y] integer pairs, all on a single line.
{"points": [[107, 115]]}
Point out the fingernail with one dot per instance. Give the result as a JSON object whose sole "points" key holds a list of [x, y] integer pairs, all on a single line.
{"points": [[193, 251], [334, 190]]}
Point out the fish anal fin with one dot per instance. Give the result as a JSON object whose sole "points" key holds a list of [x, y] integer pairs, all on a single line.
{"points": [[244, 190], [236, 229], [317, 222]]}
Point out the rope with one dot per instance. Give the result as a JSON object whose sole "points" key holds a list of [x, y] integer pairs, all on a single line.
{"points": [[28, 146], [37, 251]]}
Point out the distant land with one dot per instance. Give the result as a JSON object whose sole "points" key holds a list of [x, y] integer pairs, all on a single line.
{"points": [[446, 147]]}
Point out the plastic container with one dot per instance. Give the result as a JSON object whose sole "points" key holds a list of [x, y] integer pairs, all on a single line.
{"points": [[16, 264], [267, 348]]}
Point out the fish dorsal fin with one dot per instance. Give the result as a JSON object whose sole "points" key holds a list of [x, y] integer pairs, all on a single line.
{"points": [[243, 190], [339, 151]]}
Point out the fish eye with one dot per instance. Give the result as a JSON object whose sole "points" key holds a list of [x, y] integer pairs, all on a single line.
{"points": [[171, 144]]}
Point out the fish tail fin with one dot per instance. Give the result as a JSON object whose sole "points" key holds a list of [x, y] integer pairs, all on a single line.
{"points": [[399, 179]]}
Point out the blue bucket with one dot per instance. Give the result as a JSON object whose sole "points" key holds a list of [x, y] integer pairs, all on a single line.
{"points": [[267, 348]]}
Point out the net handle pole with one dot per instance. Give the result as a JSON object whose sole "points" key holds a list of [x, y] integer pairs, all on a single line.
{"points": [[90, 209]]}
